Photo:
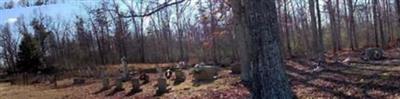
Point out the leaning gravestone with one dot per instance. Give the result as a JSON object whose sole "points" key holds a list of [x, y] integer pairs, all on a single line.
{"points": [[161, 86], [179, 76], [372, 54], [161, 82], [205, 73]]}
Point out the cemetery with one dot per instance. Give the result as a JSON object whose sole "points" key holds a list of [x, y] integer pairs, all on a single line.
{"points": [[200, 80], [199, 49]]}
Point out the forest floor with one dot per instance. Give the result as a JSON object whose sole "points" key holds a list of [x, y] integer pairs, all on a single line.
{"points": [[378, 79]]}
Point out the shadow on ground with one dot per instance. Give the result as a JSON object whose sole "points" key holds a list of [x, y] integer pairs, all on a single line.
{"points": [[343, 81]]}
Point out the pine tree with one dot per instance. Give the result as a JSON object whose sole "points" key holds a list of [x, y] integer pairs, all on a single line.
{"points": [[28, 59]]}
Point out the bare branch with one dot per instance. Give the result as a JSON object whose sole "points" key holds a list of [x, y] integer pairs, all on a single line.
{"points": [[160, 7]]}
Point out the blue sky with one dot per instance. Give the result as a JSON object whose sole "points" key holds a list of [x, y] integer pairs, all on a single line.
{"points": [[63, 11]]}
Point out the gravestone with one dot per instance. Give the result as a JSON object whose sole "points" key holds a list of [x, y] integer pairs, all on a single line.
{"points": [[179, 76], [125, 70], [161, 86], [168, 74], [182, 64], [372, 54], [205, 73], [199, 65]]}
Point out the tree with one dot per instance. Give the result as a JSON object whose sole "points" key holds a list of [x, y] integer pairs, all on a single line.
{"points": [[335, 34], [28, 59], [316, 29], [351, 25], [264, 51], [242, 42], [9, 46]]}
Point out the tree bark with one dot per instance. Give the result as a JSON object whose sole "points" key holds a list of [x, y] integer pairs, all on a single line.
{"points": [[264, 52], [397, 3], [351, 24], [333, 26], [240, 22]]}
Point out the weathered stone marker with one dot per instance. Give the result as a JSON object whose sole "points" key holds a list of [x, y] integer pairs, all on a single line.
{"points": [[124, 71], [161, 86], [182, 64], [179, 76], [168, 74], [372, 54], [161, 82], [205, 73]]}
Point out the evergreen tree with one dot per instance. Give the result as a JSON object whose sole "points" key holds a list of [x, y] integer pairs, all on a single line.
{"points": [[28, 55]]}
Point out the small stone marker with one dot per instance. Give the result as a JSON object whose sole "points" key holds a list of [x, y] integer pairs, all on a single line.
{"points": [[124, 71], [205, 73], [373, 54], [179, 76], [168, 74], [161, 86], [182, 64]]}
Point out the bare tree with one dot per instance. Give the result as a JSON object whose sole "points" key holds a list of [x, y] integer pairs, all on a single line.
{"points": [[264, 53]]}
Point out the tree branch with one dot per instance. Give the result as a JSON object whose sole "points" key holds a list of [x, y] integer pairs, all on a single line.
{"points": [[160, 7]]}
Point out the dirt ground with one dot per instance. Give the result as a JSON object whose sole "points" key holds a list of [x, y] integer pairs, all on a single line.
{"points": [[380, 80], [227, 86]]}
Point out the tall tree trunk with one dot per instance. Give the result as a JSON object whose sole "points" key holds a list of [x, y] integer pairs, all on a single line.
{"points": [[338, 27], [241, 31], [264, 51], [397, 3], [320, 31], [333, 26], [381, 31], [351, 24], [287, 30], [375, 15], [314, 27]]}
